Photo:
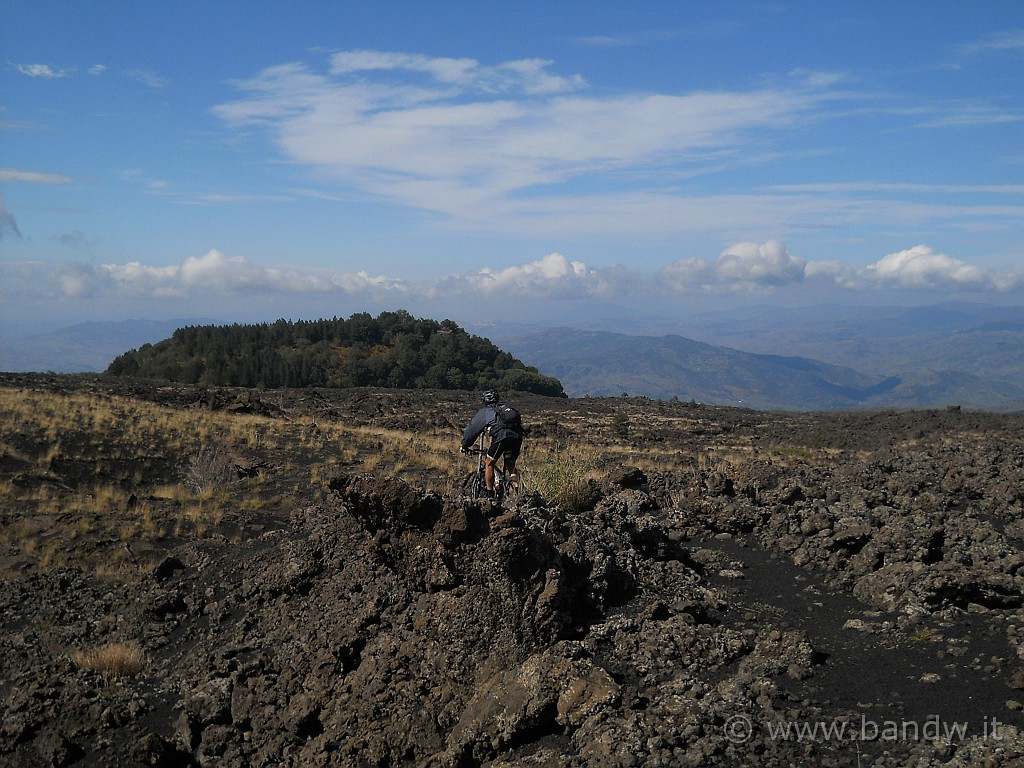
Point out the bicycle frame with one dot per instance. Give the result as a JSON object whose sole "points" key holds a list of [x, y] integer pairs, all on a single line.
{"points": [[501, 489], [480, 484]]}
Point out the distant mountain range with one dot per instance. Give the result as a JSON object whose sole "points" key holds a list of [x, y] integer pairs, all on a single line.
{"points": [[85, 347], [609, 364], [809, 358], [979, 339]]}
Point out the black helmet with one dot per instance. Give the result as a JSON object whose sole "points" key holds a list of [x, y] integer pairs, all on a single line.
{"points": [[490, 397]]}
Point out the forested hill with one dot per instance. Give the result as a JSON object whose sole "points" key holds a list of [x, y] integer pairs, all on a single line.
{"points": [[393, 349]]}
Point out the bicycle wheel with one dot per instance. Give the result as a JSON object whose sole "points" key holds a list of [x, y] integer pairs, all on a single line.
{"points": [[513, 487], [473, 485]]}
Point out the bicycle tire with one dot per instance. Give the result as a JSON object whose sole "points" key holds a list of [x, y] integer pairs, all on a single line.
{"points": [[499, 484], [479, 486], [510, 493]]}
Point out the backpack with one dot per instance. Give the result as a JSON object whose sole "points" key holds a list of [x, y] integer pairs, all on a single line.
{"points": [[508, 418]]}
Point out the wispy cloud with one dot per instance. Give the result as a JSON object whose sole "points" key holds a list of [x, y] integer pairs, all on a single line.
{"points": [[455, 137], [138, 176], [45, 71], [971, 115], [230, 199], [147, 77], [878, 186], [507, 148], [529, 76], [33, 177], [1006, 40]]}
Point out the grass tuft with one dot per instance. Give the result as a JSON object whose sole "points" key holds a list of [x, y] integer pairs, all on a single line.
{"points": [[564, 478], [112, 659]]}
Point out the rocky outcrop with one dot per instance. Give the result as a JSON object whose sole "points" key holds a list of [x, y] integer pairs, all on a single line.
{"points": [[904, 531]]}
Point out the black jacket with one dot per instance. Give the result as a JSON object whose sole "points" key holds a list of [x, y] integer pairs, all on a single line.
{"points": [[486, 418]]}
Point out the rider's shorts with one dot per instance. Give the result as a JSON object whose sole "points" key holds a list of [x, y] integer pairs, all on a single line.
{"points": [[508, 444]]}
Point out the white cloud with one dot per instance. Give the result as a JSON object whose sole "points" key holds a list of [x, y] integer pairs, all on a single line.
{"points": [[77, 281], [33, 177], [506, 149], [447, 70], [921, 267], [553, 276], [753, 267], [766, 264], [41, 70], [834, 273], [213, 272], [462, 138], [216, 273], [363, 281], [527, 75], [743, 267], [97, 69]]}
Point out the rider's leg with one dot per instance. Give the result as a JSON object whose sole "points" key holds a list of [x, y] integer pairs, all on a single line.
{"points": [[511, 455], [489, 473]]}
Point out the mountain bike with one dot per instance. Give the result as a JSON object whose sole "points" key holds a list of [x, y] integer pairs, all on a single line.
{"points": [[507, 488]]}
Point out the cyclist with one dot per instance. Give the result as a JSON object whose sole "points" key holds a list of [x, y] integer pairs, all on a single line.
{"points": [[505, 428]]}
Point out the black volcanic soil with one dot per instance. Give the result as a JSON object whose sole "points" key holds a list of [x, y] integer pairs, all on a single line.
{"points": [[855, 578]]}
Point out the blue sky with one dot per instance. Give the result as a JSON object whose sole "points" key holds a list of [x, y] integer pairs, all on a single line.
{"points": [[549, 162]]}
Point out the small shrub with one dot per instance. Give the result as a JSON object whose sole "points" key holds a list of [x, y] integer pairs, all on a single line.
{"points": [[925, 635], [209, 470], [112, 659], [620, 425]]}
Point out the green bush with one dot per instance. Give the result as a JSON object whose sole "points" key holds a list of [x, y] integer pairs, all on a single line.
{"points": [[564, 480], [620, 425]]}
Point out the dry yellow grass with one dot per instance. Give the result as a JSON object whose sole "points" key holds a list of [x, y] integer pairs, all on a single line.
{"points": [[112, 659], [128, 456]]}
